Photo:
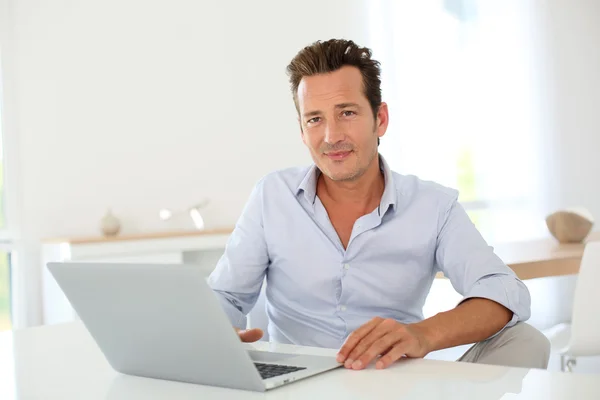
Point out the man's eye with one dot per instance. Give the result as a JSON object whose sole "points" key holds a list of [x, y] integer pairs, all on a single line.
{"points": [[313, 120], [348, 113]]}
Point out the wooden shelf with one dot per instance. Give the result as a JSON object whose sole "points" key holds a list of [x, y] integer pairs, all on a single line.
{"points": [[139, 236], [529, 259], [543, 257]]}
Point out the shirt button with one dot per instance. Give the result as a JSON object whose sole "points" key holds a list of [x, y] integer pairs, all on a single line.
{"points": [[346, 266], [342, 308]]}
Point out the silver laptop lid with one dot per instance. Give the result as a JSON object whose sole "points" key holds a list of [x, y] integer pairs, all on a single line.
{"points": [[159, 321]]}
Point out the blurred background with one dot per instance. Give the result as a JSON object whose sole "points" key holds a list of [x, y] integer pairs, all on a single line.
{"points": [[140, 105]]}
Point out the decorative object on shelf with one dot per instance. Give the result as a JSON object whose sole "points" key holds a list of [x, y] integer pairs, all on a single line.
{"points": [[110, 224], [570, 225], [194, 213]]}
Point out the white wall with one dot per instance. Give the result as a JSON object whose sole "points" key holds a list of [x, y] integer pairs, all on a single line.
{"points": [[138, 104], [145, 104]]}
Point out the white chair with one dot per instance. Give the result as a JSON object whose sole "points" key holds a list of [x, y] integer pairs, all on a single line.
{"points": [[581, 337]]}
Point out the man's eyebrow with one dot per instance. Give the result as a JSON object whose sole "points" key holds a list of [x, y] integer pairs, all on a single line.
{"points": [[338, 106], [345, 105], [311, 113]]}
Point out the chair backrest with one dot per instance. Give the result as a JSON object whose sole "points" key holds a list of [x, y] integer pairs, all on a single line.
{"points": [[585, 324]]}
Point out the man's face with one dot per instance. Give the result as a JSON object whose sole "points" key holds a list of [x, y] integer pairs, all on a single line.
{"points": [[337, 123]]}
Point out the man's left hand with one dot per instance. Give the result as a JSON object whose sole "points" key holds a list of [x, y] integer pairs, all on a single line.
{"points": [[387, 338]]}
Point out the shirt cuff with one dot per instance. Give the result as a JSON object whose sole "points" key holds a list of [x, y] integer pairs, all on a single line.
{"points": [[495, 288], [236, 317]]}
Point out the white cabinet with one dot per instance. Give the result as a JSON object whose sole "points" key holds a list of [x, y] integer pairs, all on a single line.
{"points": [[201, 248]]}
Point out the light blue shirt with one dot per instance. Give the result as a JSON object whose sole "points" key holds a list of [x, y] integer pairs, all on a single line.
{"points": [[318, 292]]}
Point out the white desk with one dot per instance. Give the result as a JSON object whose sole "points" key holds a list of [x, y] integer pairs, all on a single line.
{"points": [[63, 362]]}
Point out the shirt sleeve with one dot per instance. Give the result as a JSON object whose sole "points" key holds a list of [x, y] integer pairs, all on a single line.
{"points": [[474, 269], [238, 277]]}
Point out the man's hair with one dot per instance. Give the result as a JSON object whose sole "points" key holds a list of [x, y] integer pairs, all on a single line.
{"points": [[324, 57]]}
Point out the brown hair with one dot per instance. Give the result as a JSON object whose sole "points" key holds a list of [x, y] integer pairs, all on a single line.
{"points": [[323, 57]]}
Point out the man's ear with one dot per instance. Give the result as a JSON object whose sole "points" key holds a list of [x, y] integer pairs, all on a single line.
{"points": [[382, 120]]}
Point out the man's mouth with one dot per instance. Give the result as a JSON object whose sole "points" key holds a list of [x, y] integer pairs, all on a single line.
{"points": [[338, 155]]}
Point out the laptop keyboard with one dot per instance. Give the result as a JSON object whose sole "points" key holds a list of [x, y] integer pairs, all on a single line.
{"points": [[270, 370]]}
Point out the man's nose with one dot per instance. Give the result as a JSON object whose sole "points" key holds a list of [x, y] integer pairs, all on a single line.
{"points": [[334, 132]]}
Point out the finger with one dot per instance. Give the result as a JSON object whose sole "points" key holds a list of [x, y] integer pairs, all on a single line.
{"points": [[380, 346], [250, 335], [356, 337], [396, 353], [365, 343]]}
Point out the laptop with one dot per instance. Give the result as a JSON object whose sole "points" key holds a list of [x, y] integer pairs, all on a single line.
{"points": [[164, 321]]}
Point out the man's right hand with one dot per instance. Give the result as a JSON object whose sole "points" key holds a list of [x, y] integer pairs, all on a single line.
{"points": [[249, 335]]}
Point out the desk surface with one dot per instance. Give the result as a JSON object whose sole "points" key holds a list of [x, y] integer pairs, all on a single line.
{"points": [[63, 362]]}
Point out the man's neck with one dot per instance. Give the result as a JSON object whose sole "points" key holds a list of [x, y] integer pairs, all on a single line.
{"points": [[362, 192]]}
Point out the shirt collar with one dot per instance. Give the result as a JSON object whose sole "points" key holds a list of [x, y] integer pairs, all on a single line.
{"points": [[308, 186]]}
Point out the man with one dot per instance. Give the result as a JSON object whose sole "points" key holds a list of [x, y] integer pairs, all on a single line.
{"points": [[350, 249]]}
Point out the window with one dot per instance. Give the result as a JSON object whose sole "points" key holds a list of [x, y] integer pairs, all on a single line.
{"points": [[5, 297], [6, 224], [5, 276], [457, 77]]}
